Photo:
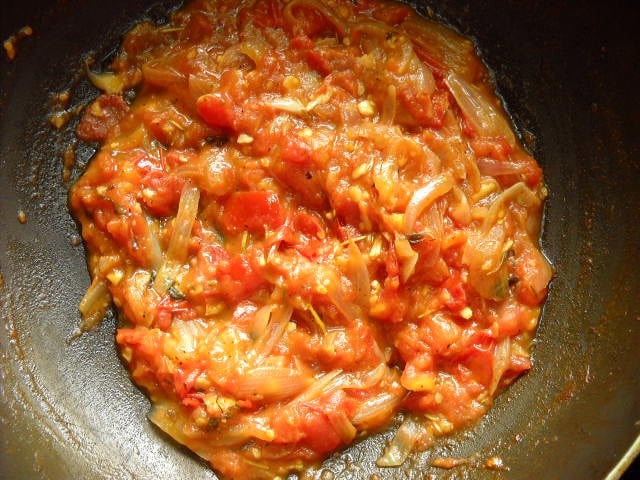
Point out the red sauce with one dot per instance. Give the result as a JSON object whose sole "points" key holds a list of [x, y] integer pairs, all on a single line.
{"points": [[314, 215]]}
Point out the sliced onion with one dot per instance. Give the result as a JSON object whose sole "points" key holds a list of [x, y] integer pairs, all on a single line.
{"points": [[260, 321], [376, 411], [286, 104], [155, 251], [199, 85], [459, 209], [254, 45], [358, 274], [491, 167], [389, 106], [318, 388], [517, 192], [187, 333], [94, 304], [186, 216], [342, 425], [501, 362], [484, 255], [290, 18], [107, 82], [424, 197], [162, 75], [402, 443], [442, 48], [275, 330], [174, 424], [337, 297], [179, 242], [407, 256], [270, 383], [485, 118]]}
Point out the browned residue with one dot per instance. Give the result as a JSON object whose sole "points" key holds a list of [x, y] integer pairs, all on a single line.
{"points": [[495, 463], [11, 44], [474, 461], [68, 161], [60, 118], [448, 462], [22, 217]]}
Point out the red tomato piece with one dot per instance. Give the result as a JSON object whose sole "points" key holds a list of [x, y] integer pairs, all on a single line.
{"points": [[161, 193], [317, 429], [100, 117], [217, 111], [239, 278], [295, 150], [393, 14], [252, 211], [455, 297]]}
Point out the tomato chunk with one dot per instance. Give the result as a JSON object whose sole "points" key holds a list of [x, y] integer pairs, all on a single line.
{"points": [[217, 111], [253, 212]]}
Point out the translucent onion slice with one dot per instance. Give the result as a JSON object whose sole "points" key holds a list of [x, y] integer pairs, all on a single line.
{"points": [[484, 254], [359, 274], [376, 411], [342, 425], [492, 167], [290, 17], [402, 443], [424, 197], [501, 362], [270, 383], [484, 117], [94, 304], [321, 386], [517, 192], [407, 256], [286, 104], [178, 249], [107, 82], [187, 211], [459, 209], [278, 322]]}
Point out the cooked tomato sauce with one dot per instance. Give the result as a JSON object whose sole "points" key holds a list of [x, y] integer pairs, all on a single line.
{"points": [[313, 216]]}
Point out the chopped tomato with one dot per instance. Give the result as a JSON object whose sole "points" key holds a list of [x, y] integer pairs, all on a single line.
{"points": [[295, 150], [217, 110], [252, 211], [100, 117]]}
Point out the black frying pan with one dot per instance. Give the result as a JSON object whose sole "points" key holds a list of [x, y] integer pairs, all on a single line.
{"points": [[570, 77]]}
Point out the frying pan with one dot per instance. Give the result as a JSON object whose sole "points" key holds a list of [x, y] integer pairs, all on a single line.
{"points": [[568, 72]]}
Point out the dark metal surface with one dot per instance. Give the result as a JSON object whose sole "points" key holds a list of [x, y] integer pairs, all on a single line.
{"points": [[569, 75]]}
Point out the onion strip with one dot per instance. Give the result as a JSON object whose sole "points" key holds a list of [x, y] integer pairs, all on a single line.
{"points": [[402, 444], [424, 197], [518, 191], [485, 118]]}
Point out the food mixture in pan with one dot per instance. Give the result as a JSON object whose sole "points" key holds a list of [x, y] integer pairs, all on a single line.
{"points": [[313, 217]]}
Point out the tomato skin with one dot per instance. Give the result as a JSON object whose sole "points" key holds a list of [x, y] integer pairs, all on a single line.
{"points": [[392, 14], [456, 296], [162, 194], [534, 274], [239, 278], [306, 424], [296, 151], [217, 111], [102, 115], [263, 14], [252, 211]]}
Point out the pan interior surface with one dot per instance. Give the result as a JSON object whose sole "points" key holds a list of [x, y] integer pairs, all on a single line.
{"points": [[68, 409]]}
